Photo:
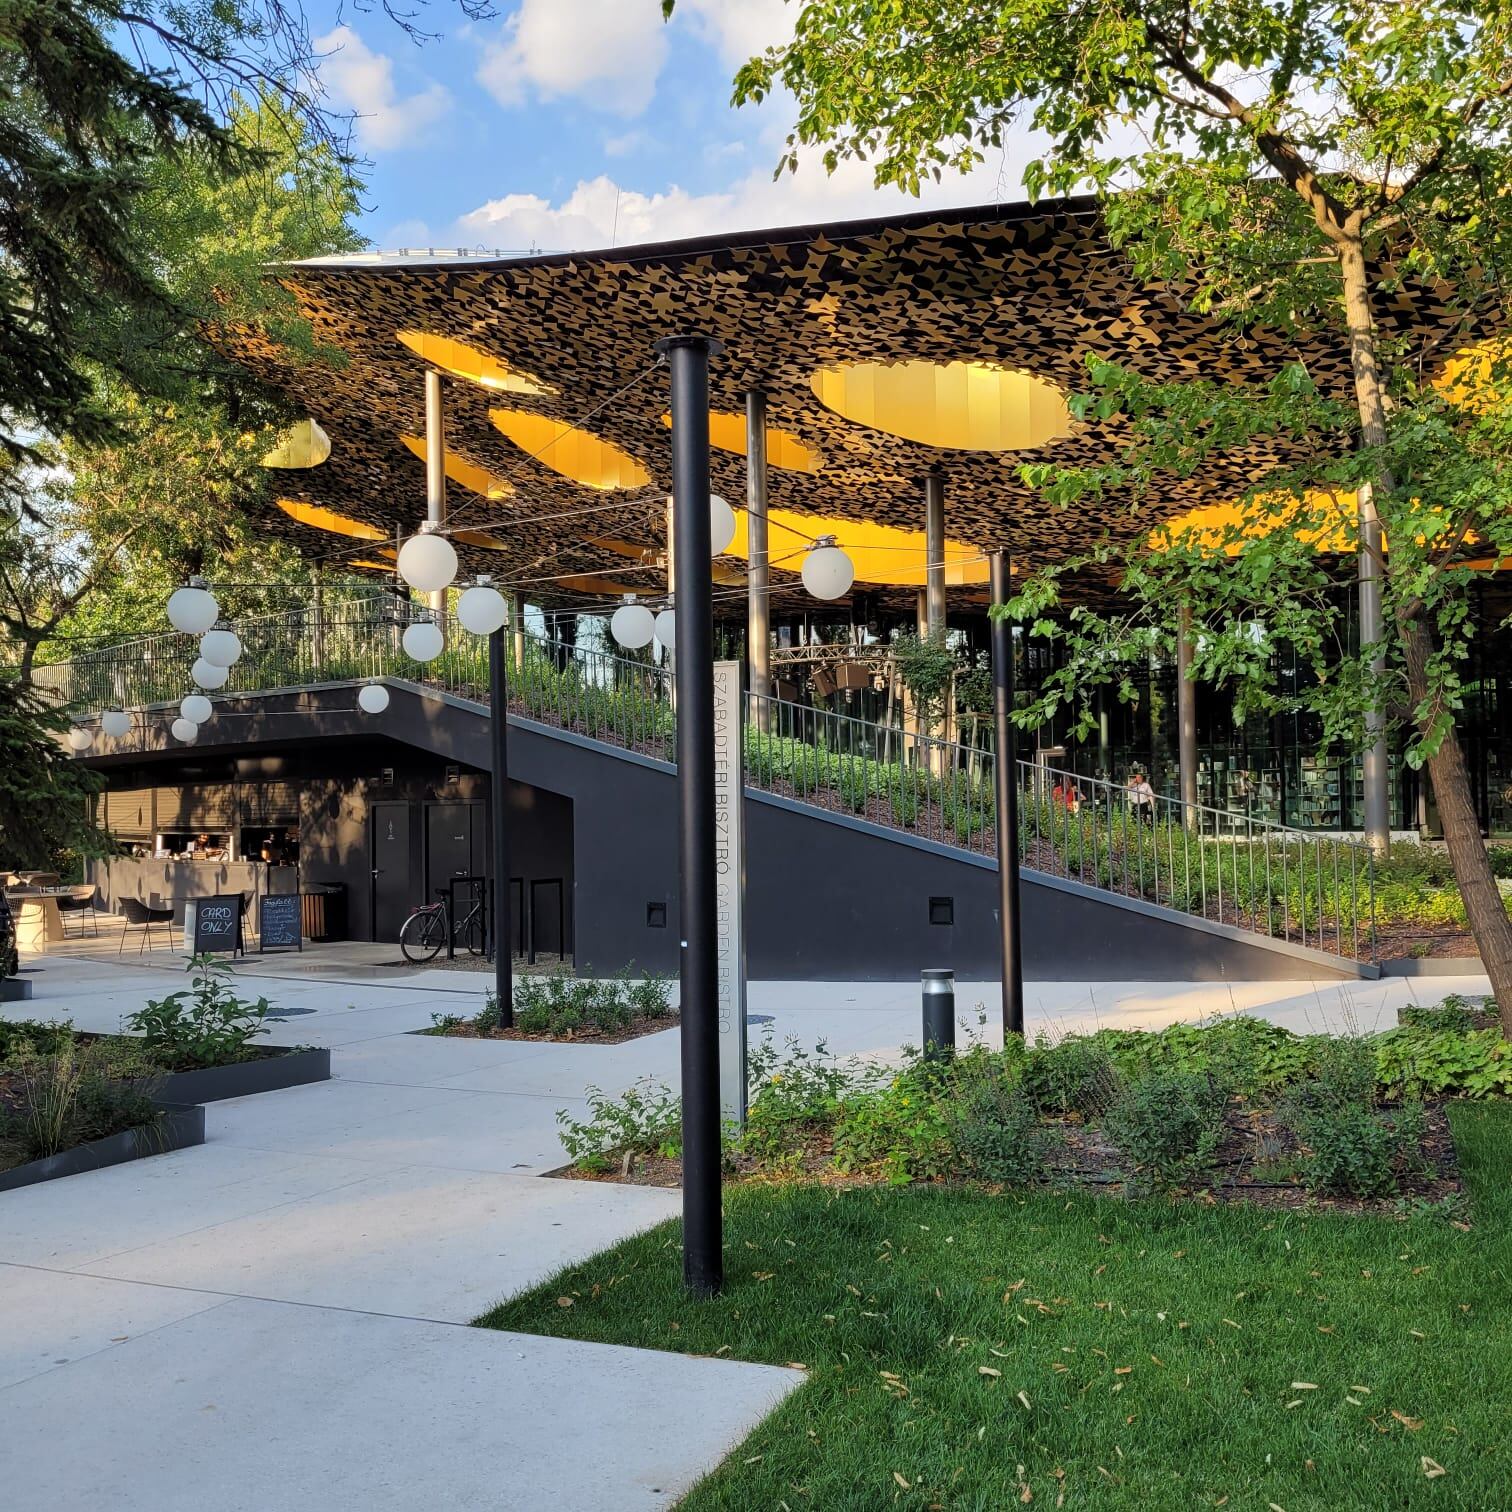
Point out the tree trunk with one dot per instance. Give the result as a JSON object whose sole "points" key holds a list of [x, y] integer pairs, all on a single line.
{"points": [[1484, 908]]}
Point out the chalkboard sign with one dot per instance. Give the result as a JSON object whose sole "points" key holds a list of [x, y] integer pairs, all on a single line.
{"points": [[279, 922], [217, 923]]}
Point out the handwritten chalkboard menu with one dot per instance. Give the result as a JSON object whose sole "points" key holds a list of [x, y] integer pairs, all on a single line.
{"points": [[217, 923], [279, 923]]}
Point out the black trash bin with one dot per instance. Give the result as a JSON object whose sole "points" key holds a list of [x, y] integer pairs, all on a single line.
{"points": [[323, 912]]}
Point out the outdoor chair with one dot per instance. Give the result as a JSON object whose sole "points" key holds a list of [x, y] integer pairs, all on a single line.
{"points": [[80, 901], [139, 916]]}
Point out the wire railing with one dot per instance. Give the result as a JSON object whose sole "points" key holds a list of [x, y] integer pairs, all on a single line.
{"points": [[1293, 885]]}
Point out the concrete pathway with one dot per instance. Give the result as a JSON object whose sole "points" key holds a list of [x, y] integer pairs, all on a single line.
{"points": [[271, 1320]]}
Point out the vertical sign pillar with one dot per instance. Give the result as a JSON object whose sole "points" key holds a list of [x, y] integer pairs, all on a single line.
{"points": [[729, 871], [703, 1220]]}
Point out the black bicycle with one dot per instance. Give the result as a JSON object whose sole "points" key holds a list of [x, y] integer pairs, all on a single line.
{"points": [[425, 932]]}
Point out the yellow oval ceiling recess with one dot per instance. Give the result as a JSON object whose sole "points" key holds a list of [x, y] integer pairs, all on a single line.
{"points": [[575, 454], [468, 474], [303, 444], [964, 406], [318, 517], [463, 361], [784, 449], [881, 554]]}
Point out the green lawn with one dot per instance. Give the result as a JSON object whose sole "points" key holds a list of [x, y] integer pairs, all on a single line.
{"points": [[1140, 1354]]}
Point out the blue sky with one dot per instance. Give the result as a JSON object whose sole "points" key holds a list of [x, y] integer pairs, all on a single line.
{"points": [[583, 123]]}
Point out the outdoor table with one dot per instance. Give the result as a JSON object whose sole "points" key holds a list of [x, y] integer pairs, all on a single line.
{"points": [[38, 919]]}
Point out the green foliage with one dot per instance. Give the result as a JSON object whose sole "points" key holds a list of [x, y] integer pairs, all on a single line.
{"points": [[46, 799], [18, 1036], [1251, 1055], [562, 1004], [795, 1100], [646, 1119], [995, 1127], [206, 1024], [1073, 1075], [1413, 1062], [70, 1093], [1168, 1126], [901, 1131], [926, 664]]}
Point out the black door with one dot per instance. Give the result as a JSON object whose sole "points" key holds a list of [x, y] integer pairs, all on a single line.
{"points": [[394, 890], [450, 829]]}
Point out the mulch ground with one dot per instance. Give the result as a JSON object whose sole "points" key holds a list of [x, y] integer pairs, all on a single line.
{"points": [[1256, 1164], [635, 1029]]}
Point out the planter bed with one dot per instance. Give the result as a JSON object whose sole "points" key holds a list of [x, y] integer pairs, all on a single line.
{"points": [[270, 1070], [636, 1029], [178, 1127], [1251, 1167]]}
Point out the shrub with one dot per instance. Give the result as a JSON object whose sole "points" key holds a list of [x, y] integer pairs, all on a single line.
{"points": [[1248, 1054], [1412, 1062], [795, 1101], [1454, 1014], [20, 1035], [1074, 1075], [561, 1004], [901, 1130], [205, 1025], [646, 1119], [996, 1130], [1168, 1126], [78, 1092]]}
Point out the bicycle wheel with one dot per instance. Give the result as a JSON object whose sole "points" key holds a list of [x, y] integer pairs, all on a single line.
{"points": [[473, 931], [423, 935]]}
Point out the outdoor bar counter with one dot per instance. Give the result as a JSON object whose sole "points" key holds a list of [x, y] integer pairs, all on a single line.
{"points": [[173, 882]]}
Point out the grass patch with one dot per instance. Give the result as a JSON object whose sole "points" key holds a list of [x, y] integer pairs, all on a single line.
{"points": [[961, 1346]]}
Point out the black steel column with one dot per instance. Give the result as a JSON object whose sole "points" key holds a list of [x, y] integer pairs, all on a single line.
{"points": [[498, 742], [1005, 778], [703, 1253]]}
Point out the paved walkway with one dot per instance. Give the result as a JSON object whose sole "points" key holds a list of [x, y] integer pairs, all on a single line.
{"points": [[271, 1320]]}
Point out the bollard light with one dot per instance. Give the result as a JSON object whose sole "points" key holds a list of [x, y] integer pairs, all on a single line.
{"points": [[939, 1014]]}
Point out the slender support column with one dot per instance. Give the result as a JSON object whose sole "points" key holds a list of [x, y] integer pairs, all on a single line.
{"points": [[435, 470], [934, 551], [498, 743], [1186, 718], [703, 1260], [1377, 794], [1005, 781], [758, 569]]}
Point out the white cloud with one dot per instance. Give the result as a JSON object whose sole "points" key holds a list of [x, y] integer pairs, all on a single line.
{"points": [[739, 29], [601, 213], [637, 139], [362, 81], [606, 53]]}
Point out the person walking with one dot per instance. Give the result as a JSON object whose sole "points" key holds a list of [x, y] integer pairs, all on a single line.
{"points": [[1142, 798]]}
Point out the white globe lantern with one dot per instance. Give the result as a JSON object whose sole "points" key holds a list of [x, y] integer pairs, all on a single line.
{"points": [[115, 723], [208, 675], [665, 626], [372, 698], [423, 641], [192, 610], [80, 739], [196, 708], [632, 625], [721, 525], [221, 648], [428, 562], [482, 610], [827, 572], [185, 730]]}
